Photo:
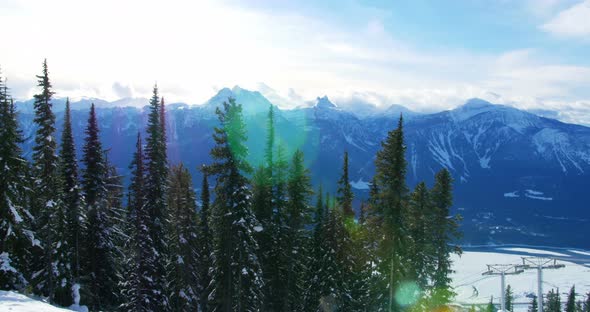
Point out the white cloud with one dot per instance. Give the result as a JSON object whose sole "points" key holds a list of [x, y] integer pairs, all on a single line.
{"points": [[571, 22], [113, 49]]}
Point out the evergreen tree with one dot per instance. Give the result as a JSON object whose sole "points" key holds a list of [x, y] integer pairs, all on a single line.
{"points": [[138, 287], [16, 237], [315, 252], [276, 265], [51, 276], [553, 301], [205, 242], [184, 272], [298, 215], [345, 194], [391, 177], [421, 251], [445, 230], [491, 307], [156, 185], [533, 307], [100, 249], [509, 299], [237, 277], [262, 205], [587, 303], [570, 305], [336, 264], [71, 190]]}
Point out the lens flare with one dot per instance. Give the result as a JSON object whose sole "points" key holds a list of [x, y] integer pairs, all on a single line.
{"points": [[407, 293]]}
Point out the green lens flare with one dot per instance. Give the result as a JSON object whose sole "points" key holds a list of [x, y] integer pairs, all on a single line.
{"points": [[407, 293]]}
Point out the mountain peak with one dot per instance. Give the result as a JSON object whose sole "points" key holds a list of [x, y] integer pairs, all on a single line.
{"points": [[324, 102], [476, 103]]}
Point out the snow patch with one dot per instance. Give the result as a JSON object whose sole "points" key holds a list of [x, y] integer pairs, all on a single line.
{"points": [[535, 251], [512, 194], [360, 184], [12, 301]]}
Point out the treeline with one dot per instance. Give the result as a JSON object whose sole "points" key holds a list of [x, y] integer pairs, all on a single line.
{"points": [[73, 234], [551, 303]]}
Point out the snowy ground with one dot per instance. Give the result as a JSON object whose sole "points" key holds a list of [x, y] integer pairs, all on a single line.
{"points": [[474, 288], [14, 302]]}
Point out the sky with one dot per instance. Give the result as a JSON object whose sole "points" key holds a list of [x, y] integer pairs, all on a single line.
{"points": [[425, 55]]}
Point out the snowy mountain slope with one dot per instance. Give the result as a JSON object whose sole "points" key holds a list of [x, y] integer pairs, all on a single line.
{"points": [[14, 302], [491, 150], [474, 288]]}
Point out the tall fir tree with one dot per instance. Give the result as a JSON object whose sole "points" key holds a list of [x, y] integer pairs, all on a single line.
{"points": [[570, 305], [445, 231], [205, 244], [420, 222], [262, 205], [298, 215], [139, 291], [553, 301], [51, 276], [183, 275], [336, 265], [391, 177], [156, 185], [345, 195], [509, 298], [315, 252], [72, 195], [100, 270], [237, 277], [533, 307], [16, 237]]}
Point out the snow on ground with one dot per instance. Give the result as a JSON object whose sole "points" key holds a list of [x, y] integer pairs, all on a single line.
{"points": [[12, 301], [474, 288], [585, 253], [536, 251]]}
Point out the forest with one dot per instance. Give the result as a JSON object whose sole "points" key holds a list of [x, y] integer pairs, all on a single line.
{"points": [[258, 237]]}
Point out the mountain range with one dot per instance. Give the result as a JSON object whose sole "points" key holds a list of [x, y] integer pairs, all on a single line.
{"points": [[519, 178]]}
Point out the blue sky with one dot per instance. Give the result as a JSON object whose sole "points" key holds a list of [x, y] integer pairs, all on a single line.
{"points": [[426, 55]]}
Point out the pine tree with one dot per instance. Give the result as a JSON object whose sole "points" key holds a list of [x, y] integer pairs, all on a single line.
{"points": [[509, 298], [71, 190], [336, 264], [298, 215], [50, 271], [16, 237], [445, 230], [421, 250], [587, 303], [553, 301], [156, 185], [391, 177], [184, 272], [262, 206], [276, 265], [100, 249], [237, 278], [315, 252], [345, 194], [533, 307], [138, 287], [205, 239], [570, 305], [491, 307]]}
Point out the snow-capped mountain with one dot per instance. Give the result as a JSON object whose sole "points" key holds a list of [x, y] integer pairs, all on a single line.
{"points": [[519, 177]]}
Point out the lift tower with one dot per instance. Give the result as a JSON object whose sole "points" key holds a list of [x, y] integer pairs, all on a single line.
{"points": [[503, 270], [540, 264]]}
